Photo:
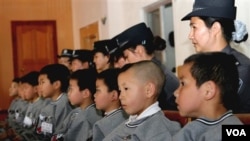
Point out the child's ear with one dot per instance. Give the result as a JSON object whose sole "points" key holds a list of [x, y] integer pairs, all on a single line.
{"points": [[36, 89], [86, 93], [150, 89], [209, 90], [115, 95], [57, 84]]}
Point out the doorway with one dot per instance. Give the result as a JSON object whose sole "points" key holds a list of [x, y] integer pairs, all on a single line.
{"points": [[34, 45], [88, 35], [159, 17]]}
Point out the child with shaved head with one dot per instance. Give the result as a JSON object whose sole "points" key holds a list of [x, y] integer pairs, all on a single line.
{"points": [[140, 85]]}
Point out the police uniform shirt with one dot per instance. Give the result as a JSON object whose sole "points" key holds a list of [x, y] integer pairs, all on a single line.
{"points": [[104, 126], [79, 124], [205, 129], [52, 116], [148, 128], [243, 66]]}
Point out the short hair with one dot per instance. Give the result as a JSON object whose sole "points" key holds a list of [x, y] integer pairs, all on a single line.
{"points": [[31, 78], [16, 79], [86, 79], [109, 77], [57, 72], [147, 70], [220, 68]]}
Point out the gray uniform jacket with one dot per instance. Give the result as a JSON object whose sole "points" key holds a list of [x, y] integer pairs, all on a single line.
{"points": [[27, 130], [243, 65], [206, 130], [108, 123], [19, 113], [11, 110], [79, 124], [53, 115], [152, 128]]}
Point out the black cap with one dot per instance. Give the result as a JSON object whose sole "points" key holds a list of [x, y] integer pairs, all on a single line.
{"points": [[135, 35], [66, 53], [105, 46], [83, 55], [213, 8]]}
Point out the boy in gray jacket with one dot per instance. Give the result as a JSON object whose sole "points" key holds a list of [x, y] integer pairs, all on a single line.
{"points": [[140, 84], [107, 100], [53, 84], [79, 123]]}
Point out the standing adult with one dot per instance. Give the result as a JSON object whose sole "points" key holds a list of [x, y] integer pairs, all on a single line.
{"points": [[212, 28]]}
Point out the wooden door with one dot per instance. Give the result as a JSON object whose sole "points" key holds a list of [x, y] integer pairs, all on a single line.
{"points": [[89, 34], [34, 45]]}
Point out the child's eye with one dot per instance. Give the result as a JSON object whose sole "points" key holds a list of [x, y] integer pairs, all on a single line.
{"points": [[69, 89], [182, 83]]}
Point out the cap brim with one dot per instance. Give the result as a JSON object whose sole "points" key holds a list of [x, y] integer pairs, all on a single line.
{"points": [[59, 56]]}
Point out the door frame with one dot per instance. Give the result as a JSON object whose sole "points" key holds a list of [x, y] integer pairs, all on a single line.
{"points": [[15, 24]]}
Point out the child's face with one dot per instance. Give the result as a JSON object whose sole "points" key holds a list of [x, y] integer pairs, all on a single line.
{"points": [[29, 91], [132, 93], [188, 95], [103, 98], [101, 61], [20, 90], [74, 93], [13, 90], [64, 61], [76, 64], [45, 87]]}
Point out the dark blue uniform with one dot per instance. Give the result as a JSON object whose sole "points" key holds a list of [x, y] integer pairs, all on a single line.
{"points": [[243, 66]]}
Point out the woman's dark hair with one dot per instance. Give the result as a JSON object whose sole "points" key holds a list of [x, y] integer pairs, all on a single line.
{"points": [[226, 24], [156, 44], [227, 27]]}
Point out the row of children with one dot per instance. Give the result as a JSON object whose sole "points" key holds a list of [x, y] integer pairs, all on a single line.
{"points": [[206, 90], [41, 109], [121, 104]]}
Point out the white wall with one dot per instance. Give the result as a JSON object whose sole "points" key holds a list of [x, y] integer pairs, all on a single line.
{"points": [[85, 12], [120, 14], [184, 47], [125, 13]]}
